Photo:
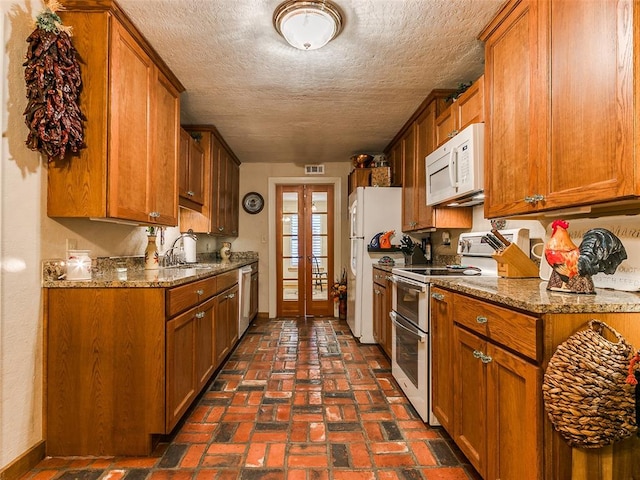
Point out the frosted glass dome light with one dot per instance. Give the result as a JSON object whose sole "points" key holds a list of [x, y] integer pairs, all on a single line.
{"points": [[307, 24]]}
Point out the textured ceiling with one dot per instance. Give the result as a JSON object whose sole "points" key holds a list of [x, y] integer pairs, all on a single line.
{"points": [[273, 103]]}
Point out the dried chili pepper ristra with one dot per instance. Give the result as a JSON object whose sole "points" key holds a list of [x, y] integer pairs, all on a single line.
{"points": [[54, 82]]}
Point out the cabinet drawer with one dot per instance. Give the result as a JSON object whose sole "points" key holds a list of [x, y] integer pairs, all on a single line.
{"points": [[380, 277], [225, 280], [517, 331], [186, 296]]}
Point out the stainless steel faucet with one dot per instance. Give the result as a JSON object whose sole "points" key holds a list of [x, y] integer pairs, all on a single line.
{"points": [[170, 257]]}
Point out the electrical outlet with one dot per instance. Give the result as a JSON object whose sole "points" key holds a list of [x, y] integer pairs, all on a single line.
{"points": [[72, 244]]}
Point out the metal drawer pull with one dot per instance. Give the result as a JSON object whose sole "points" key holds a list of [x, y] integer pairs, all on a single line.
{"points": [[481, 319], [437, 296], [231, 295], [528, 199], [483, 358], [200, 292], [200, 315], [191, 193]]}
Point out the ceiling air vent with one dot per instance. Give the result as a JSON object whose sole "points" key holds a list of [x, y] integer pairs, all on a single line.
{"points": [[314, 169]]}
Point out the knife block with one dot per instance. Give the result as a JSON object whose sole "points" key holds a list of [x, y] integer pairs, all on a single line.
{"points": [[514, 263]]}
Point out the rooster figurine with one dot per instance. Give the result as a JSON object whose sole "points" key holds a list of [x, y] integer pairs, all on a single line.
{"points": [[600, 251]]}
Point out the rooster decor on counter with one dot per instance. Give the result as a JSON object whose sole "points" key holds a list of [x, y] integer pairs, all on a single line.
{"points": [[599, 251]]}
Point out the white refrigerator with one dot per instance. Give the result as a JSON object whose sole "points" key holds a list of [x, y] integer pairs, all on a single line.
{"points": [[371, 210]]}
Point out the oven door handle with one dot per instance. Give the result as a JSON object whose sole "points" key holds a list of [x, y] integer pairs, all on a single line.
{"points": [[416, 332], [412, 283]]}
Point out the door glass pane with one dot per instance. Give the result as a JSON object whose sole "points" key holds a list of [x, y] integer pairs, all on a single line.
{"points": [[290, 202], [290, 247], [290, 282], [319, 202], [319, 279]]}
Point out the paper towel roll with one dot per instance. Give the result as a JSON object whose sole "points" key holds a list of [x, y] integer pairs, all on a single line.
{"points": [[189, 249]]}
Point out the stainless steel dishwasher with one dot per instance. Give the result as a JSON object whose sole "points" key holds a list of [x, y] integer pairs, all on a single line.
{"points": [[244, 281]]}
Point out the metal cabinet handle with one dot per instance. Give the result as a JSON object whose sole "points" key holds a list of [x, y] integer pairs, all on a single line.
{"points": [[529, 200], [200, 292], [200, 315], [191, 193], [481, 356], [481, 319], [437, 296], [221, 229], [154, 214], [231, 295], [538, 198]]}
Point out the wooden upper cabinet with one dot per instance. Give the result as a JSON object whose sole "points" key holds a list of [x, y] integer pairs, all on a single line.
{"points": [[191, 186], [417, 141], [560, 114], [221, 199], [131, 100], [468, 108]]}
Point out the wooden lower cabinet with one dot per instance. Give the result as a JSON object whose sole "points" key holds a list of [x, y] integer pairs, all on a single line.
{"points": [[498, 408], [226, 322], [123, 365], [488, 366], [441, 342], [382, 291]]}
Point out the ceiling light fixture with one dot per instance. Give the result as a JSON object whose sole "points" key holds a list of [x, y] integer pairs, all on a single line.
{"points": [[308, 24]]}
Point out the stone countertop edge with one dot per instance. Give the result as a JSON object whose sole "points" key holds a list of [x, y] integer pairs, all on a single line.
{"points": [[531, 295], [160, 278]]}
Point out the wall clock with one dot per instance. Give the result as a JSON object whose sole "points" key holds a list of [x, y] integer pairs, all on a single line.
{"points": [[253, 202]]}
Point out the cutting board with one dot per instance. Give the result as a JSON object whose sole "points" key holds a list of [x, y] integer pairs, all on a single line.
{"points": [[627, 229]]}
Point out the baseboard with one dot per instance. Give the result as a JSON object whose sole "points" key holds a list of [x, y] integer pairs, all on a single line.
{"points": [[24, 462], [260, 316]]}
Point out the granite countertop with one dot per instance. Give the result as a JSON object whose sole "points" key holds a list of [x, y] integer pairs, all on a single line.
{"points": [[163, 277], [531, 295]]}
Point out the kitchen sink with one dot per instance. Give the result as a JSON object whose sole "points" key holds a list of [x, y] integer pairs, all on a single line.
{"points": [[193, 265]]}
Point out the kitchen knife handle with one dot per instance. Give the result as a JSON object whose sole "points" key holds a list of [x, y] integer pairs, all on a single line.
{"points": [[501, 237]]}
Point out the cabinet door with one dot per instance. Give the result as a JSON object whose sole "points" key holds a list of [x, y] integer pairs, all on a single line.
{"points": [[233, 193], [385, 320], [425, 144], [591, 66], [378, 308], [130, 128], [221, 327], [409, 185], [205, 343], [221, 191], [191, 171], [445, 126], [233, 314], [183, 163], [181, 366], [196, 173], [226, 322], [442, 357], [469, 107], [396, 161], [513, 85], [163, 169], [470, 394], [514, 417]]}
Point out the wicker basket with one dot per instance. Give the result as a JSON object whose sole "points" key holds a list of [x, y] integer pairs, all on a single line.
{"points": [[584, 389]]}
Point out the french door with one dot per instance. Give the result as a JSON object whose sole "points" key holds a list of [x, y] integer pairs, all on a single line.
{"points": [[304, 250]]}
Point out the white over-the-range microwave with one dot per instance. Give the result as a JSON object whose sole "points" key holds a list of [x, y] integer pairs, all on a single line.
{"points": [[455, 171]]}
